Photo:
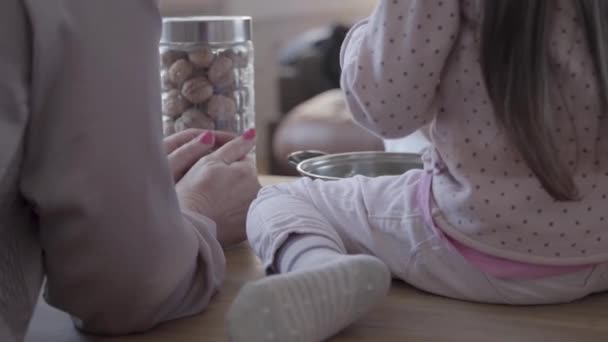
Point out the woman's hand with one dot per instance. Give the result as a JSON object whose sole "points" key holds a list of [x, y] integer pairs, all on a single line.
{"points": [[221, 185], [186, 148]]}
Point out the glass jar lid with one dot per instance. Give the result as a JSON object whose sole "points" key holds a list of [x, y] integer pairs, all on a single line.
{"points": [[220, 30]]}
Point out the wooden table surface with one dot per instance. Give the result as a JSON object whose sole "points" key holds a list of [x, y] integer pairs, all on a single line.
{"points": [[405, 315]]}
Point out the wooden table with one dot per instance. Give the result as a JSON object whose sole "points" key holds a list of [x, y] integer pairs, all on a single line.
{"points": [[405, 315]]}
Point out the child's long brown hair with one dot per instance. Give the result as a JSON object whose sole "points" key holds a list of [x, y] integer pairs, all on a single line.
{"points": [[516, 70]]}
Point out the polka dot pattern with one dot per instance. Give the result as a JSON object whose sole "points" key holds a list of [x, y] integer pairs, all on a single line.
{"points": [[415, 62]]}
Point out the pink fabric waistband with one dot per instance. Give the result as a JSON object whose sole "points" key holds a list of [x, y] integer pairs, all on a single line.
{"points": [[496, 267]]}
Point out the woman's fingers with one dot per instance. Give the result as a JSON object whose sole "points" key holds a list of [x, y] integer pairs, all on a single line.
{"points": [[221, 138], [185, 156], [236, 149], [176, 140], [186, 148]]}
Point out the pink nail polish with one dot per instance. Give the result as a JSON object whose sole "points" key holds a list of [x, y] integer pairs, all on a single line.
{"points": [[249, 134], [206, 138]]}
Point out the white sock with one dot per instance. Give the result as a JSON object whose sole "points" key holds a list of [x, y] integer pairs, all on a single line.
{"points": [[324, 293], [301, 251]]}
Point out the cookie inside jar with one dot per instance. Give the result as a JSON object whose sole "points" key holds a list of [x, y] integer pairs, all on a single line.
{"points": [[206, 69]]}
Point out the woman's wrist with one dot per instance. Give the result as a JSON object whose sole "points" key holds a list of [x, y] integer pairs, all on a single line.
{"points": [[196, 203]]}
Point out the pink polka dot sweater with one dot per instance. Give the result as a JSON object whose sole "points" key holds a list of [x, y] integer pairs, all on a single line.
{"points": [[415, 62]]}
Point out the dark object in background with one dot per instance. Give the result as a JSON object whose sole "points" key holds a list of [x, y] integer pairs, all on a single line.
{"points": [[320, 123], [310, 65]]}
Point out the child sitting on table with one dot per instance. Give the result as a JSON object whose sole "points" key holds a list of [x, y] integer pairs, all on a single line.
{"points": [[511, 206]]}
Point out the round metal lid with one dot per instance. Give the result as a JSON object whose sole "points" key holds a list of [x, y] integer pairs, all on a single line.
{"points": [[370, 164], [206, 30]]}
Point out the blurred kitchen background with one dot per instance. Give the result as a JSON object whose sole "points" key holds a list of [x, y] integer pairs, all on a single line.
{"points": [[297, 71]]}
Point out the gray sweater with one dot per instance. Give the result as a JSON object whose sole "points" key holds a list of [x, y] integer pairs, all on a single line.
{"points": [[86, 196]]}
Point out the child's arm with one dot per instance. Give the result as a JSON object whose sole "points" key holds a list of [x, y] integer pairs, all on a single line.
{"points": [[392, 63]]}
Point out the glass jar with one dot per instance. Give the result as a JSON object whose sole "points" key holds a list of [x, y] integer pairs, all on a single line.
{"points": [[207, 78]]}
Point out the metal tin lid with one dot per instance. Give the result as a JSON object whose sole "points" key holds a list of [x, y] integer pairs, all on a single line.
{"points": [[206, 30], [369, 164]]}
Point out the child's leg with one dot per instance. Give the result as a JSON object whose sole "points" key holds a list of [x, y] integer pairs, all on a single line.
{"points": [[306, 251], [308, 304], [305, 229]]}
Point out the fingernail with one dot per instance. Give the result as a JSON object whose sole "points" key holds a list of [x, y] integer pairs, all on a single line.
{"points": [[249, 134], [206, 138]]}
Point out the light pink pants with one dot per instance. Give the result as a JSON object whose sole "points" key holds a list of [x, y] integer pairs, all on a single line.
{"points": [[382, 217]]}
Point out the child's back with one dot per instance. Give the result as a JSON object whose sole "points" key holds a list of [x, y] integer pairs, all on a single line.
{"points": [[511, 207], [488, 195]]}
